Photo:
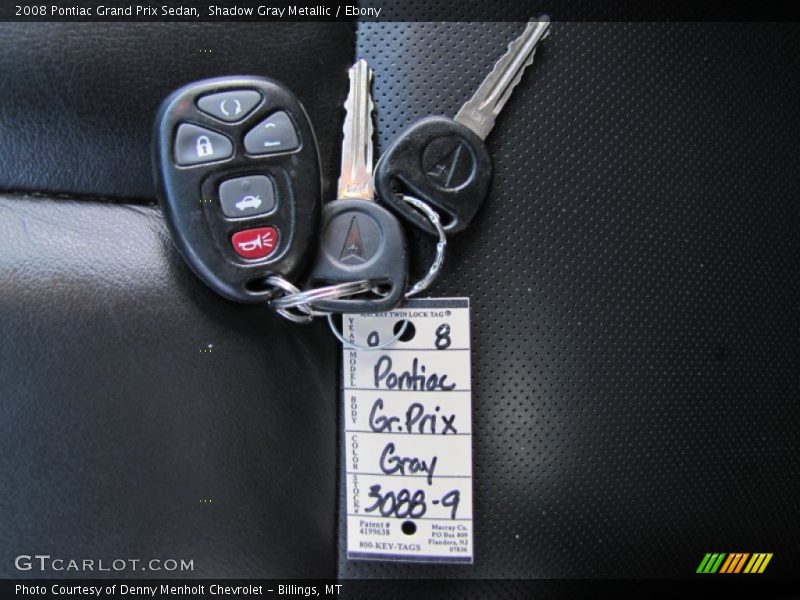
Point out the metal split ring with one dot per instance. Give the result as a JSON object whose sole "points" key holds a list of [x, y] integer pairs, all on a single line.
{"points": [[438, 260], [279, 283], [298, 298], [300, 301], [441, 246]]}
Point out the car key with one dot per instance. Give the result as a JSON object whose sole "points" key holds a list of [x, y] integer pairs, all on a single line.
{"points": [[443, 161], [238, 175], [360, 240]]}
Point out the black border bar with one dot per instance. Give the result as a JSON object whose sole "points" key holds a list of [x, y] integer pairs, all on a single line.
{"points": [[700, 586], [395, 10]]}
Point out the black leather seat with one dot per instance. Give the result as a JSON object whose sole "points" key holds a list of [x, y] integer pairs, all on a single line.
{"points": [[143, 415]]}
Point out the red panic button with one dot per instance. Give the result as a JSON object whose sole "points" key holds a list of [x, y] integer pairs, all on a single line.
{"points": [[255, 243]]}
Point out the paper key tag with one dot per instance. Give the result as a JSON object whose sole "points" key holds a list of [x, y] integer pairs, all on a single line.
{"points": [[408, 434]]}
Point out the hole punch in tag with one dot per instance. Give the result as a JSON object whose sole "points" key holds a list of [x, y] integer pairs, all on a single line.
{"points": [[408, 433]]}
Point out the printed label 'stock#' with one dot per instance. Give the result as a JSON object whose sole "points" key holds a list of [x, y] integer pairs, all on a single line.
{"points": [[408, 434]]}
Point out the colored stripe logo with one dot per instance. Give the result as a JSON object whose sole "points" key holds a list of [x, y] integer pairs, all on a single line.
{"points": [[734, 562]]}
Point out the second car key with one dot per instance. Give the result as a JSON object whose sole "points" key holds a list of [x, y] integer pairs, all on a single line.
{"points": [[444, 162], [360, 240], [238, 176]]}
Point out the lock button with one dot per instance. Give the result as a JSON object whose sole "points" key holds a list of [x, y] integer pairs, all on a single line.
{"points": [[195, 145]]}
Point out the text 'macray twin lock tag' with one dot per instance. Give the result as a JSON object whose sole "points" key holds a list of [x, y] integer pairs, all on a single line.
{"points": [[238, 175], [445, 162]]}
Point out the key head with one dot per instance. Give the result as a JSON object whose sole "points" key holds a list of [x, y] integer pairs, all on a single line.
{"points": [[440, 162], [361, 240], [238, 176]]}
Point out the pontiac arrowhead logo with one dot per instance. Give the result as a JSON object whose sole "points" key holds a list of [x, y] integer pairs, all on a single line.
{"points": [[353, 250], [443, 171]]}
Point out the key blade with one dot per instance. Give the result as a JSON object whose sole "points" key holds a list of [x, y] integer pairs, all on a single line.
{"points": [[480, 111], [355, 180]]}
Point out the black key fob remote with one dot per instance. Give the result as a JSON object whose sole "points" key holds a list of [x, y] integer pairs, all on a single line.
{"points": [[238, 175]]}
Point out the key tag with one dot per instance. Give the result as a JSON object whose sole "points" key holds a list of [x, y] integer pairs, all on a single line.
{"points": [[407, 450]]}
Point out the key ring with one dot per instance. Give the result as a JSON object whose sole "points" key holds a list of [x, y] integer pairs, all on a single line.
{"points": [[304, 298], [299, 300], [438, 260], [282, 284]]}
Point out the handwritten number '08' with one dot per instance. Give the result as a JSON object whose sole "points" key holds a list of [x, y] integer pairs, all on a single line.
{"points": [[443, 340]]}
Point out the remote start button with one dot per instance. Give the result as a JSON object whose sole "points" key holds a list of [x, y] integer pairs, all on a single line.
{"points": [[229, 106], [274, 134]]}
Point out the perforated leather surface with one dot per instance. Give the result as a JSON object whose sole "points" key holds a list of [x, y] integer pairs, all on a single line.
{"points": [[634, 282]]}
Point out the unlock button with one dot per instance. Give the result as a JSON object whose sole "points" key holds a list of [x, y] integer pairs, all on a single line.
{"points": [[195, 145]]}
